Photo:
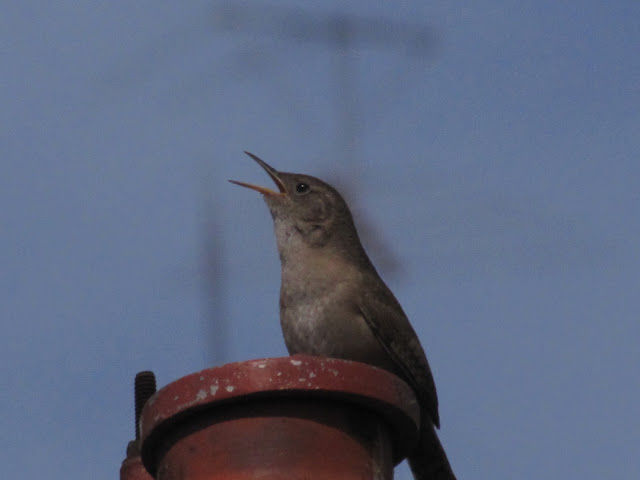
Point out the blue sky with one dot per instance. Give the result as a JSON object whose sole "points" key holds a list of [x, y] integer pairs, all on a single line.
{"points": [[496, 173]]}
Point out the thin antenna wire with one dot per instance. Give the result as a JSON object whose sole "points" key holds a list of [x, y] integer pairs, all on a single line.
{"points": [[213, 275]]}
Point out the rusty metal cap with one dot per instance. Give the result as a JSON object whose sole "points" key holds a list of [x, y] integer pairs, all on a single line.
{"points": [[299, 377]]}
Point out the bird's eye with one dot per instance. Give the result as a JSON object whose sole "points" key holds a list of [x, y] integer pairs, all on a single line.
{"points": [[302, 188]]}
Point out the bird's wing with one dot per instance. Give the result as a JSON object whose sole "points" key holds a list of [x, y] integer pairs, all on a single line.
{"points": [[390, 325]]}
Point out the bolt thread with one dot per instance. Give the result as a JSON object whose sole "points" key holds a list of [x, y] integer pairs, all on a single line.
{"points": [[145, 386]]}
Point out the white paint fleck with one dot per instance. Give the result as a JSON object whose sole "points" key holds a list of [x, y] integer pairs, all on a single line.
{"points": [[302, 379], [296, 363], [230, 388], [335, 372], [213, 389], [262, 365], [311, 375], [201, 395]]}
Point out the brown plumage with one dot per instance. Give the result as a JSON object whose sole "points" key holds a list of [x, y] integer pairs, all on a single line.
{"points": [[333, 302]]}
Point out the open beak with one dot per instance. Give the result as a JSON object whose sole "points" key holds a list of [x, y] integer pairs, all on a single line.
{"points": [[273, 173]]}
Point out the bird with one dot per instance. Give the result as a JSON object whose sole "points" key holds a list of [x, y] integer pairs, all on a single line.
{"points": [[333, 302]]}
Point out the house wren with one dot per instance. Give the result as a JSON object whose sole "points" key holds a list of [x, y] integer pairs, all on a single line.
{"points": [[333, 303]]}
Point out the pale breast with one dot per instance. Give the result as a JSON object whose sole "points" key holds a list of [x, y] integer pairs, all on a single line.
{"points": [[320, 316]]}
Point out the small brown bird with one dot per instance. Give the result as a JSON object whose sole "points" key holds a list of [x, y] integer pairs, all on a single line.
{"points": [[333, 303]]}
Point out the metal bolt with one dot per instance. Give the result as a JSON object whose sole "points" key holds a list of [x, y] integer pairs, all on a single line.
{"points": [[145, 386]]}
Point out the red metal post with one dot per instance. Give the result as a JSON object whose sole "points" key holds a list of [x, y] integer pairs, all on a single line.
{"points": [[296, 417]]}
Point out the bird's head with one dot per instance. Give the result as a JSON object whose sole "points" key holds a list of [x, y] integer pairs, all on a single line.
{"points": [[305, 207]]}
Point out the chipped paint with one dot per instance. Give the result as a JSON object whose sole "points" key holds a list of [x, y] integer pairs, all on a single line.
{"points": [[213, 389], [201, 395], [296, 363], [230, 388]]}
